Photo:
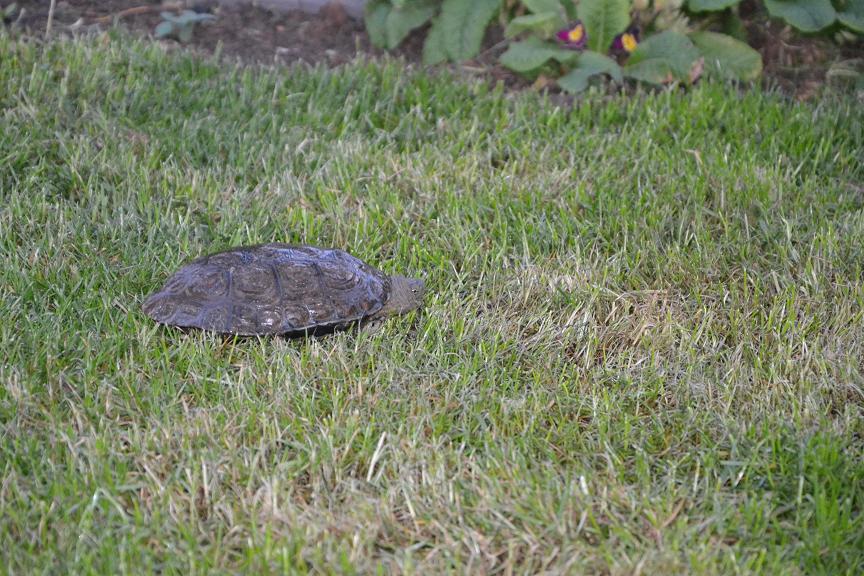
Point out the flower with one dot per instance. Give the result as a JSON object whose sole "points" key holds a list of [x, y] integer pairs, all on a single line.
{"points": [[626, 42], [574, 36]]}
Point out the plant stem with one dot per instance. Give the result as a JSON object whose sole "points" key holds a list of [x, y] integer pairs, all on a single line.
{"points": [[50, 18]]}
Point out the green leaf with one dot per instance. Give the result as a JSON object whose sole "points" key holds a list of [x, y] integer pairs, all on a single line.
{"points": [[192, 17], [545, 24], [375, 18], [434, 49], [184, 33], [805, 15], [163, 29], [670, 54], [852, 15], [531, 54], [732, 25], [589, 64], [543, 6], [465, 24], [728, 57], [603, 19], [710, 5], [401, 21]]}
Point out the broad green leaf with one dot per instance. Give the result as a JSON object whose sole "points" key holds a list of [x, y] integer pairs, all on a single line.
{"points": [[805, 15], [401, 21], [852, 15], [603, 19], [192, 17], [164, 28], [661, 57], [465, 25], [710, 5], [434, 49], [375, 17], [184, 33], [589, 64], [728, 57], [732, 25], [531, 54], [545, 24], [543, 6]]}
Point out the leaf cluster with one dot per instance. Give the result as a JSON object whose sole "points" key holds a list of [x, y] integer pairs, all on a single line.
{"points": [[677, 54], [180, 26], [683, 39], [807, 16], [456, 27]]}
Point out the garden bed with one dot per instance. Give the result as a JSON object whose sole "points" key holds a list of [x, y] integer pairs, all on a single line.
{"points": [[794, 63]]}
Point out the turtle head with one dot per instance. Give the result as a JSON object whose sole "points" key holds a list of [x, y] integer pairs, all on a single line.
{"points": [[406, 294]]}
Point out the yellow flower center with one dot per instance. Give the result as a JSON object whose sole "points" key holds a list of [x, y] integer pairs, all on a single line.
{"points": [[575, 35], [628, 41]]}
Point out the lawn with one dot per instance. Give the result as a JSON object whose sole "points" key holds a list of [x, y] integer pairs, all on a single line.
{"points": [[640, 352]]}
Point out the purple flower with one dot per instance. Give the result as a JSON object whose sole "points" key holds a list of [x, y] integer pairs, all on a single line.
{"points": [[626, 42], [574, 36]]}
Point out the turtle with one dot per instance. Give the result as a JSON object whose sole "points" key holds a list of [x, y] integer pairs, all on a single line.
{"points": [[280, 289]]}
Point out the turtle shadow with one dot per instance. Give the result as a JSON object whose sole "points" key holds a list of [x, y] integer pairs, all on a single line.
{"points": [[316, 332]]}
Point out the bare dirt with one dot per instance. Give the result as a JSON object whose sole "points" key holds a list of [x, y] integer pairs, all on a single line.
{"points": [[250, 33]]}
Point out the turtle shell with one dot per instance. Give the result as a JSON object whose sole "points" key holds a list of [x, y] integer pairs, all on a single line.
{"points": [[270, 289]]}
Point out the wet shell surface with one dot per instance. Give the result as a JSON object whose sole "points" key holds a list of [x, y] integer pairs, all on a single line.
{"points": [[270, 289]]}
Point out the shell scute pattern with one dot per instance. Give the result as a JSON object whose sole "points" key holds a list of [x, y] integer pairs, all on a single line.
{"points": [[199, 281], [244, 318], [270, 289], [255, 283], [217, 318]]}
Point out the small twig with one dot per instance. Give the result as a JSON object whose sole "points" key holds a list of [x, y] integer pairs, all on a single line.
{"points": [[135, 10], [20, 17], [673, 515], [376, 456], [50, 18]]}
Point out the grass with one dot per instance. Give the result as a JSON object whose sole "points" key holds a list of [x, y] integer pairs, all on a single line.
{"points": [[641, 352]]}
